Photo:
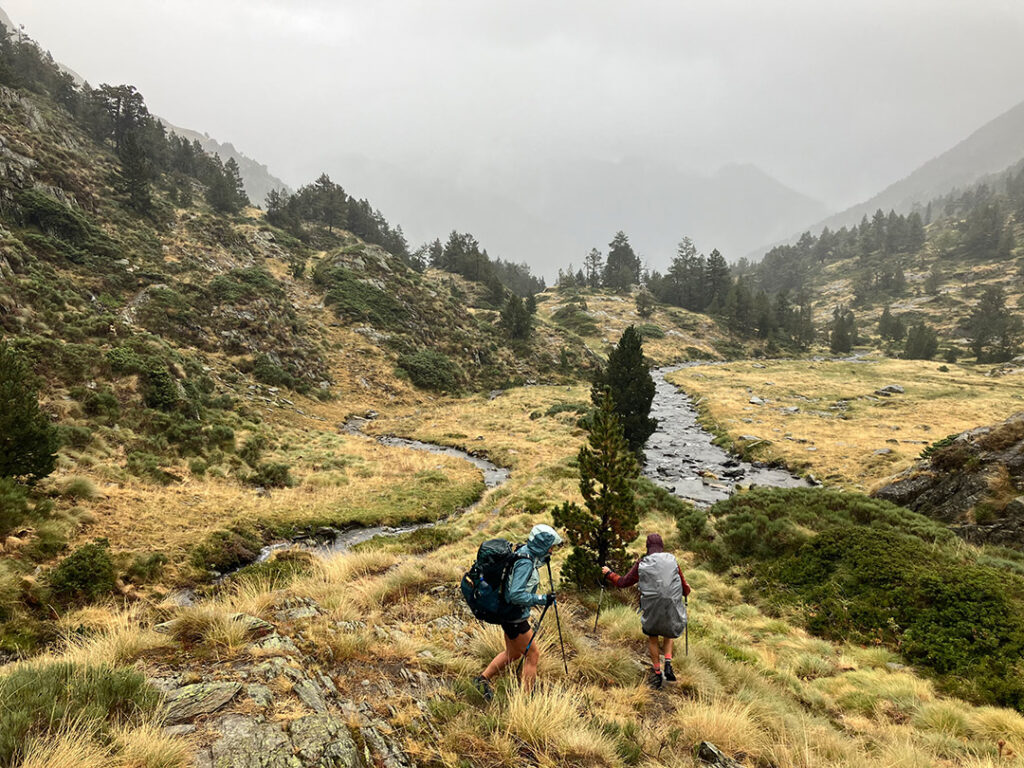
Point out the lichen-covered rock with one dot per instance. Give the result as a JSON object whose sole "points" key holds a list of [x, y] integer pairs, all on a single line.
{"points": [[246, 742], [278, 644], [323, 740], [713, 756], [314, 741], [198, 699]]}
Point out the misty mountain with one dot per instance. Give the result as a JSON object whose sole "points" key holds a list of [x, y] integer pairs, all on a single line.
{"points": [[551, 214], [258, 180], [992, 148], [256, 177]]}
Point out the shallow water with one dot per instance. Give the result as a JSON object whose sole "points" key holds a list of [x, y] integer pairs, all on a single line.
{"points": [[681, 456]]}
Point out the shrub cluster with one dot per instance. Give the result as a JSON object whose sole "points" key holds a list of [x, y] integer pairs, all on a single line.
{"points": [[868, 571], [431, 370]]}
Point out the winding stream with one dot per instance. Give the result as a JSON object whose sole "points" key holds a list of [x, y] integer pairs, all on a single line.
{"points": [[681, 457], [331, 542]]}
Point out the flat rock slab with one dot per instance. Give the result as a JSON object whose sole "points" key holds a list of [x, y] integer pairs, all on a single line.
{"points": [[314, 741], [198, 699]]}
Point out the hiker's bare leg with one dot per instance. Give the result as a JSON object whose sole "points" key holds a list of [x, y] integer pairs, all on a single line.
{"points": [[668, 647], [655, 651], [530, 664], [514, 647]]}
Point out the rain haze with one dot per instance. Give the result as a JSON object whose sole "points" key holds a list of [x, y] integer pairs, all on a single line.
{"points": [[543, 128]]}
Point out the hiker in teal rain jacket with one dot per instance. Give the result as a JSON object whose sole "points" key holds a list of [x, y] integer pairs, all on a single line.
{"points": [[521, 592]]}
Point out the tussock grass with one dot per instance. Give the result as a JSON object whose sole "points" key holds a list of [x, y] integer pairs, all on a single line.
{"points": [[727, 723], [210, 626], [79, 489]]}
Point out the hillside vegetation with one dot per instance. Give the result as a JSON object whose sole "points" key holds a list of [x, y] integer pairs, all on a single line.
{"points": [[198, 361]]}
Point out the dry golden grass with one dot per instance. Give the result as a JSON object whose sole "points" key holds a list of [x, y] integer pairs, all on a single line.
{"points": [[387, 485], [841, 422]]}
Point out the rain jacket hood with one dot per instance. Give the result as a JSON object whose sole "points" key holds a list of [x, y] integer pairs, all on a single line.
{"points": [[524, 580], [654, 543], [542, 538]]}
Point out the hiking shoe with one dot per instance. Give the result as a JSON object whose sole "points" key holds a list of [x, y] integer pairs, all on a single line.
{"points": [[669, 674], [655, 681], [483, 685]]}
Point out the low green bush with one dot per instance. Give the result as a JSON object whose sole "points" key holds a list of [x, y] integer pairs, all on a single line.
{"points": [[144, 569], [85, 575], [576, 407], [431, 370], [44, 698], [268, 372], [271, 474], [651, 331], [159, 389], [227, 550]]}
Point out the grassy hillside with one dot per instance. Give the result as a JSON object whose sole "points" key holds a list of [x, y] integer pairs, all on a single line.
{"points": [[386, 629], [198, 361], [828, 418]]}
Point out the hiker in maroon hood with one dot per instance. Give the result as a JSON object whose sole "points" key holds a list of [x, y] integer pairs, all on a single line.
{"points": [[662, 591]]}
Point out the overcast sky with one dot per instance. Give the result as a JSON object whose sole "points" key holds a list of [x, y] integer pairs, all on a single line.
{"points": [[835, 98]]}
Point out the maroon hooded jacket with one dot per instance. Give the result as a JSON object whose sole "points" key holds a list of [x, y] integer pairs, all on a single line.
{"points": [[654, 544]]}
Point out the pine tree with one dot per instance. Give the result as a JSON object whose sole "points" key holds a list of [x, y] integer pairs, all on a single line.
{"points": [[992, 330], [593, 263], [28, 442], [922, 343], [515, 318], [622, 268], [233, 174], [644, 304], [843, 331], [609, 470], [628, 380]]}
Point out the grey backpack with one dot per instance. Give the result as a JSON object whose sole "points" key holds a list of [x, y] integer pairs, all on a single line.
{"points": [[661, 596]]}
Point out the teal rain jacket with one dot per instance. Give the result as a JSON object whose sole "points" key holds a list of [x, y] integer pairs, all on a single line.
{"points": [[524, 578]]}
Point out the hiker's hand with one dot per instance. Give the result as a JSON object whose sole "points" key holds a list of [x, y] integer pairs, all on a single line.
{"points": [[549, 598], [605, 570]]}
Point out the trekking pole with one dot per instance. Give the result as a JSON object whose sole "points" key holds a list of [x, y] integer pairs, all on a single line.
{"points": [[536, 631], [558, 622], [686, 629], [600, 599]]}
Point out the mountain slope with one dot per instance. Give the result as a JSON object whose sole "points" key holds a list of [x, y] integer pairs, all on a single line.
{"points": [[992, 148]]}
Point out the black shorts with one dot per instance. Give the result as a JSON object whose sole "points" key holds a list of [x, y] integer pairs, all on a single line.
{"points": [[514, 629]]}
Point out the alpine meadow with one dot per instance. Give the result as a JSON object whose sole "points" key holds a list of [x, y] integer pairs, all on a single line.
{"points": [[465, 387]]}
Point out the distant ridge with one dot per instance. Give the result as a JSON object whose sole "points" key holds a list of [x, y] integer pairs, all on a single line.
{"points": [[256, 177], [992, 148]]}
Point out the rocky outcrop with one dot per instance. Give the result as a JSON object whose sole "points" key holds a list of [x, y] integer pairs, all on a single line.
{"points": [[276, 706], [972, 481]]}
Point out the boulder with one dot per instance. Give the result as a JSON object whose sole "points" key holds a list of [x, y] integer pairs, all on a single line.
{"points": [[198, 699], [890, 389], [712, 755]]}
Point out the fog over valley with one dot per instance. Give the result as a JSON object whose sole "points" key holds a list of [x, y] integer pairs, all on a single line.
{"points": [[544, 129]]}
